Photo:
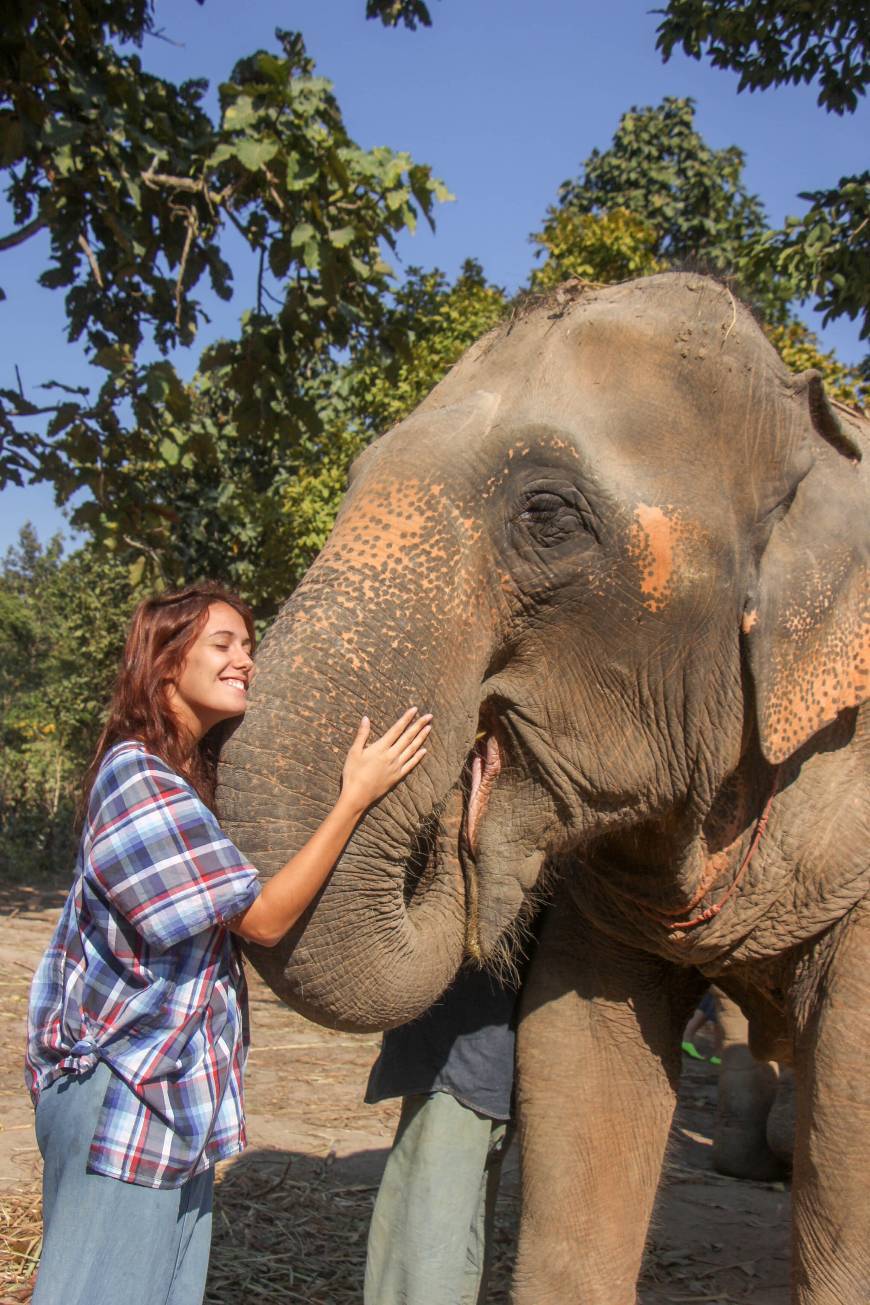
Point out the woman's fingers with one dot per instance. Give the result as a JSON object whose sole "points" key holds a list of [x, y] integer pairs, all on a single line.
{"points": [[412, 732], [396, 730], [364, 730], [407, 747], [414, 761]]}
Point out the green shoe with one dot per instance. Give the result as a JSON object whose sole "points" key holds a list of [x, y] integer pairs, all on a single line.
{"points": [[691, 1050]]}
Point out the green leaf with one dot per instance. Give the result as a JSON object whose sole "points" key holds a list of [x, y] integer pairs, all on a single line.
{"points": [[342, 236], [240, 114], [254, 154], [136, 572], [226, 150], [169, 451], [112, 357], [302, 233]]}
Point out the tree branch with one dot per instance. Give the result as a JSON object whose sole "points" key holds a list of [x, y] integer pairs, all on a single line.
{"points": [[158, 180], [273, 190], [92, 259], [237, 224], [142, 547], [35, 412], [23, 233], [182, 266], [83, 390]]}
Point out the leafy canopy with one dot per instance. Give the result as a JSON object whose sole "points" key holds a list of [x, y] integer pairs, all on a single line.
{"points": [[825, 253], [61, 633], [613, 245], [660, 168], [439, 321], [137, 187], [660, 197], [772, 42], [393, 12]]}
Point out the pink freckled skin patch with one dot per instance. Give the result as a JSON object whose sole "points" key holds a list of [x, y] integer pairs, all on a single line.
{"points": [[652, 547], [749, 622]]}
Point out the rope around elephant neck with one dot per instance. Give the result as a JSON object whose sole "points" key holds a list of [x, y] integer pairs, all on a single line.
{"points": [[710, 912]]}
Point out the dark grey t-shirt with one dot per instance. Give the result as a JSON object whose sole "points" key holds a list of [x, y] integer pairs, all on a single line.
{"points": [[463, 1045]]}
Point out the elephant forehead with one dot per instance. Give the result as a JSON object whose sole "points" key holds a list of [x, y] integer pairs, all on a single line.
{"points": [[434, 431]]}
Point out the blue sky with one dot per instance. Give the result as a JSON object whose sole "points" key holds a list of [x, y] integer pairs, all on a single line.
{"points": [[504, 98]]}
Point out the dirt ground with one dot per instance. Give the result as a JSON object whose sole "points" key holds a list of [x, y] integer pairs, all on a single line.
{"points": [[291, 1214]]}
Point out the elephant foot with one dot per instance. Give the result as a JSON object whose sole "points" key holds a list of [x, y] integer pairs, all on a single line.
{"points": [[747, 1090]]}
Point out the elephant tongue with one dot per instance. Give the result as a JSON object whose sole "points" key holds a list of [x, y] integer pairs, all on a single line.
{"points": [[485, 766]]}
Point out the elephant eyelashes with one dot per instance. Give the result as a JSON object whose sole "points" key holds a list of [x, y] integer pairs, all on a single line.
{"points": [[552, 519]]}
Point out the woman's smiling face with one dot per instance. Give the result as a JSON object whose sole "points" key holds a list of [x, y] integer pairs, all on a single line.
{"points": [[214, 680]]}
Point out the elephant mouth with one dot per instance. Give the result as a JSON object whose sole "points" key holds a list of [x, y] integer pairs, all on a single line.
{"points": [[454, 825], [482, 769]]}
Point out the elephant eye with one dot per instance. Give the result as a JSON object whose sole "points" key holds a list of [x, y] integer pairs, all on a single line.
{"points": [[552, 518]]}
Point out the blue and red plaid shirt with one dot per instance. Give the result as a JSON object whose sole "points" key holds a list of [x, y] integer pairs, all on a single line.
{"points": [[143, 974]]}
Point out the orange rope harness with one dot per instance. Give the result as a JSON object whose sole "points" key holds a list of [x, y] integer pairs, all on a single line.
{"points": [[711, 911]]}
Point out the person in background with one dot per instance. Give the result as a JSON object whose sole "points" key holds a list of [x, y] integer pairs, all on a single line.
{"points": [[137, 1027], [430, 1237], [705, 1013]]}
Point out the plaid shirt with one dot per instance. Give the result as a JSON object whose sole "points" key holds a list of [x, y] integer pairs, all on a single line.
{"points": [[142, 974]]}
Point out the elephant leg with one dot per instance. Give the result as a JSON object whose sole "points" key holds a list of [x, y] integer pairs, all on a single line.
{"points": [[598, 1061], [780, 1121], [831, 1252], [747, 1091]]}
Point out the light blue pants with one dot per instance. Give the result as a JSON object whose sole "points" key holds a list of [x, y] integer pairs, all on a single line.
{"points": [[431, 1229], [106, 1242]]}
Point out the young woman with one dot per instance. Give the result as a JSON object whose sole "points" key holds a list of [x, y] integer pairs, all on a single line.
{"points": [[137, 1029]]}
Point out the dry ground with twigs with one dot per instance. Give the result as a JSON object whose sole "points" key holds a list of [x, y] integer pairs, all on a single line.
{"points": [[291, 1215]]}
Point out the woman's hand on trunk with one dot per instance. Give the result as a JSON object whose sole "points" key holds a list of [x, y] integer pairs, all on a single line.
{"points": [[372, 769], [369, 772]]}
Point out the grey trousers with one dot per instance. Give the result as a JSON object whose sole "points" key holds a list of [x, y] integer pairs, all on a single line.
{"points": [[106, 1242], [431, 1230]]}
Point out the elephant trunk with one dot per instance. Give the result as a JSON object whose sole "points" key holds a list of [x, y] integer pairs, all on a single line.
{"points": [[387, 933], [375, 948]]}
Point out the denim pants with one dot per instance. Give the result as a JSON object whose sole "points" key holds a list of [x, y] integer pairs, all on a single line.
{"points": [[431, 1229], [106, 1242]]}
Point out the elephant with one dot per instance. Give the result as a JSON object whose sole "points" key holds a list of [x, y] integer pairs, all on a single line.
{"points": [[753, 1135], [620, 551]]}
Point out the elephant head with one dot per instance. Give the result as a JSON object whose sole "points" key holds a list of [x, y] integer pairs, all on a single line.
{"points": [[616, 546]]}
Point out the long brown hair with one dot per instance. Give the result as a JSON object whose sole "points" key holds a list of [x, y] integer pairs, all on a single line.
{"points": [[161, 634]]}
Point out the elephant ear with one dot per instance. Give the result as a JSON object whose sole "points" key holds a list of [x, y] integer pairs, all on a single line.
{"points": [[807, 625]]}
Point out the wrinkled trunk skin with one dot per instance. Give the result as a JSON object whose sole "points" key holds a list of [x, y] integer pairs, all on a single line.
{"points": [[387, 618]]}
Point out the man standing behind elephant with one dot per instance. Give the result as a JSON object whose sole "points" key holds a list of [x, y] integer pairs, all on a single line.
{"points": [[431, 1231]]}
